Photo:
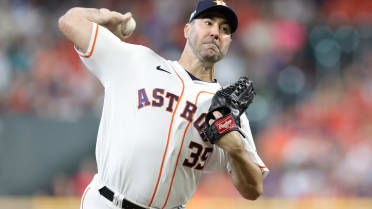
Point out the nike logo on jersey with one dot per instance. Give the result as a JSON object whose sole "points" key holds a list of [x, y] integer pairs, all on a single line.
{"points": [[161, 69]]}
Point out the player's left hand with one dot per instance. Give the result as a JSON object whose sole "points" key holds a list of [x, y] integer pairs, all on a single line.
{"points": [[227, 105], [229, 142]]}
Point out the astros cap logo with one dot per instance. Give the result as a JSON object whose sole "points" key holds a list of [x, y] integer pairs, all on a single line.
{"points": [[220, 2], [220, 6]]}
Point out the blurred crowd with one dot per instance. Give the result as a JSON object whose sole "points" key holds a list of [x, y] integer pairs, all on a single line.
{"points": [[310, 61]]}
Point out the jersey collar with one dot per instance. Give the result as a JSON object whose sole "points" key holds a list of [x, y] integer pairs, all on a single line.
{"points": [[197, 79]]}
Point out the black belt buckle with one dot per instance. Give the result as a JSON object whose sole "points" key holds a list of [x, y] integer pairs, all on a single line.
{"points": [[108, 194]]}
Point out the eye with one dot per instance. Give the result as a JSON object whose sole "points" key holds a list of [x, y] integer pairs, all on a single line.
{"points": [[208, 22], [225, 29]]}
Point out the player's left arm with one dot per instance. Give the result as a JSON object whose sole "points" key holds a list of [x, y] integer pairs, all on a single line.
{"points": [[246, 175], [228, 128]]}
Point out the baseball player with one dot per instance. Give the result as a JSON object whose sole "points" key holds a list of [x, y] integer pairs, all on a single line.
{"points": [[151, 151]]}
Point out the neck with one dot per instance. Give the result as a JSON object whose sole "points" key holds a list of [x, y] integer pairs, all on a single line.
{"points": [[201, 70]]}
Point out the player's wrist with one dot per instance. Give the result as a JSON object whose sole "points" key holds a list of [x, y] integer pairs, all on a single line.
{"points": [[231, 142]]}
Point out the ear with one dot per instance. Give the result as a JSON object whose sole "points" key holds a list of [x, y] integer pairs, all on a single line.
{"points": [[186, 30]]}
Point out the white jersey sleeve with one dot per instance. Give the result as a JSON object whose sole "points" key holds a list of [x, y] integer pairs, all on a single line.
{"points": [[107, 54]]}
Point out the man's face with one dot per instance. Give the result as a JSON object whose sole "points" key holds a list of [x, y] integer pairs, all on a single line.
{"points": [[209, 37]]}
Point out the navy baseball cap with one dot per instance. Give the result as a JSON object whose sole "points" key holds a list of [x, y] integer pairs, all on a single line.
{"points": [[216, 5]]}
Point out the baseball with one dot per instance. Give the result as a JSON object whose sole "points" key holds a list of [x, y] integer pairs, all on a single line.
{"points": [[129, 27]]}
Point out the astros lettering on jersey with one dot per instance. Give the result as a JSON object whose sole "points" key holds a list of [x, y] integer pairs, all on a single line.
{"points": [[148, 149]]}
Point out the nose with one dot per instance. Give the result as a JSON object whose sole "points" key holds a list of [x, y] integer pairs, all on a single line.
{"points": [[214, 31]]}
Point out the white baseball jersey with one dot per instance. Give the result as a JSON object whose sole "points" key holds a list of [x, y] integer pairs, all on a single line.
{"points": [[148, 147]]}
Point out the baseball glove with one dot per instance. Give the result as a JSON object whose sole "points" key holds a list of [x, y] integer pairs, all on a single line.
{"points": [[231, 102]]}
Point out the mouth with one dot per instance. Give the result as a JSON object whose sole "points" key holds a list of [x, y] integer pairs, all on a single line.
{"points": [[212, 46]]}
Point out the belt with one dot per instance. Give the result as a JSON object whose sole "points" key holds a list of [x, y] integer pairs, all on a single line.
{"points": [[108, 194]]}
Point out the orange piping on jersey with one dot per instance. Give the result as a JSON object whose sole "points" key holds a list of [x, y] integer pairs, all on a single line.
{"points": [[166, 147], [179, 152], [94, 44], [82, 199], [262, 166], [197, 97]]}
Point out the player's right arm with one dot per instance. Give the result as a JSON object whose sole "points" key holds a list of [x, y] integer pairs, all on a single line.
{"points": [[77, 25]]}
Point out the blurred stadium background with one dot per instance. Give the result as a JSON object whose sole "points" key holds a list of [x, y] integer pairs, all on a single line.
{"points": [[312, 117]]}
